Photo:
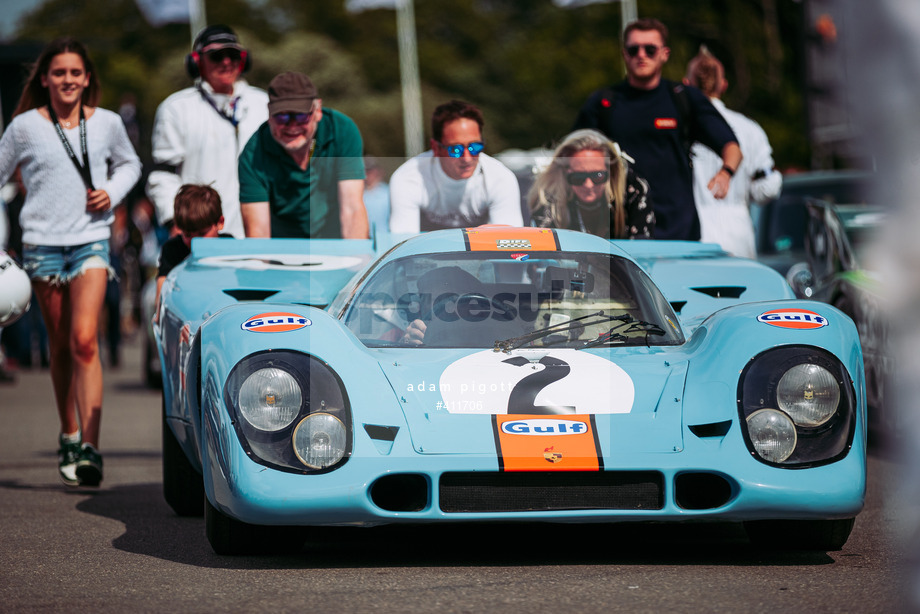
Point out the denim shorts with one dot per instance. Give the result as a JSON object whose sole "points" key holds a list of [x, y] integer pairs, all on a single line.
{"points": [[59, 264]]}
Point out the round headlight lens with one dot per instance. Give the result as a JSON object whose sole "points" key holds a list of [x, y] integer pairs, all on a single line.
{"points": [[773, 434], [270, 399], [320, 441], [809, 394]]}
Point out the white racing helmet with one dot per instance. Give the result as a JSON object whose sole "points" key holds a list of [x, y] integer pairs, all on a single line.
{"points": [[15, 290]]}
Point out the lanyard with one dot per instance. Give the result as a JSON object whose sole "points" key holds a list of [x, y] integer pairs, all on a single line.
{"points": [[581, 221], [84, 168], [231, 117]]}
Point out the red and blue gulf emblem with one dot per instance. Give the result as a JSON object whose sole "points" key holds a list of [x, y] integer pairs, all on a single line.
{"points": [[800, 319], [275, 322]]}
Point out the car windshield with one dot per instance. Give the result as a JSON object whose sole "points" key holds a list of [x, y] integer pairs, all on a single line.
{"points": [[862, 225], [491, 300]]}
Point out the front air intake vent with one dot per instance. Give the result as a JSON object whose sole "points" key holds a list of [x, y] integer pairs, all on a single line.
{"points": [[702, 491], [401, 492], [722, 291], [548, 491], [712, 429], [247, 294]]}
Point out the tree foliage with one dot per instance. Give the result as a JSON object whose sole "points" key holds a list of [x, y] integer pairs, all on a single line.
{"points": [[527, 63]]}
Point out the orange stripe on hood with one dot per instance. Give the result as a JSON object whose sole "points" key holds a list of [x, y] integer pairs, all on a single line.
{"points": [[535, 442]]}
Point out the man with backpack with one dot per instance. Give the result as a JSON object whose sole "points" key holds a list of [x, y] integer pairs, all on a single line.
{"points": [[657, 121]]}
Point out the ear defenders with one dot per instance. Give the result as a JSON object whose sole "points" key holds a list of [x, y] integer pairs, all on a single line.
{"points": [[193, 59]]}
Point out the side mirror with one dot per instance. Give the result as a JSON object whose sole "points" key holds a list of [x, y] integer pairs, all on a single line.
{"points": [[801, 279]]}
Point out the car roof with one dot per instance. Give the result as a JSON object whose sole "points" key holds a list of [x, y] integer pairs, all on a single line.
{"points": [[837, 186]]}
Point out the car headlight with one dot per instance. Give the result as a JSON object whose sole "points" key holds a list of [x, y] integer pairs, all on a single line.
{"points": [[809, 394], [798, 407], [290, 411], [319, 441], [270, 399], [772, 434]]}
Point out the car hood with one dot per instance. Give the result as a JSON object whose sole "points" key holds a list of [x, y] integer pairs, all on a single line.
{"points": [[451, 398]]}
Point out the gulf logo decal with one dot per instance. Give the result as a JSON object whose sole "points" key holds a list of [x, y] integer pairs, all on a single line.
{"points": [[542, 427], [800, 319], [547, 443], [493, 238], [275, 322]]}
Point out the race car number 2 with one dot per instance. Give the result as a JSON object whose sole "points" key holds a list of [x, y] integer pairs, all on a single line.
{"points": [[536, 383]]}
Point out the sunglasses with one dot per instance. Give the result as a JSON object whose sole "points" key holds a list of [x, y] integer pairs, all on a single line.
{"points": [[456, 151], [650, 50], [219, 55], [596, 177], [286, 119]]}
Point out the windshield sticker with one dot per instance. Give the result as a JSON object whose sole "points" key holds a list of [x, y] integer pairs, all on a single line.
{"points": [[520, 257], [512, 244], [536, 382], [557, 443], [276, 322], [800, 319]]}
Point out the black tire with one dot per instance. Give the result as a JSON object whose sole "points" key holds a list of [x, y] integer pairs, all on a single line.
{"points": [[826, 535], [232, 537], [183, 486]]}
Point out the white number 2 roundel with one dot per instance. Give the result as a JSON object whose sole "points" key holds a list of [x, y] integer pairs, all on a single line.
{"points": [[537, 382]]}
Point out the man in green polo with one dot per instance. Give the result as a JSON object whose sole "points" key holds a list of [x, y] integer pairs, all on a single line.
{"points": [[302, 172]]}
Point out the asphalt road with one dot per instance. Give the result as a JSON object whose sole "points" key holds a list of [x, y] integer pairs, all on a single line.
{"points": [[119, 548]]}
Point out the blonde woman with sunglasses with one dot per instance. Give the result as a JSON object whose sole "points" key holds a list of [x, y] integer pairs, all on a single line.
{"points": [[590, 187]]}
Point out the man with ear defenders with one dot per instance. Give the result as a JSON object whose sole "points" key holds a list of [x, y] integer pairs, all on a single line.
{"points": [[199, 131]]}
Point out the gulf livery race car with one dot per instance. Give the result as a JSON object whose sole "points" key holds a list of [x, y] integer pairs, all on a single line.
{"points": [[504, 374]]}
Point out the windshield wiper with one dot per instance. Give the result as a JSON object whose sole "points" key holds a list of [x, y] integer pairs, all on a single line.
{"points": [[611, 336], [615, 336], [507, 345], [649, 328]]}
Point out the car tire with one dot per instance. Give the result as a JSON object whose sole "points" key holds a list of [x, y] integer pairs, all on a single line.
{"points": [[826, 535], [183, 486], [229, 536]]}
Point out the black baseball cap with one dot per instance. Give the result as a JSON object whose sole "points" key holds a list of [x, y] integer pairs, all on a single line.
{"points": [[216, 37]]}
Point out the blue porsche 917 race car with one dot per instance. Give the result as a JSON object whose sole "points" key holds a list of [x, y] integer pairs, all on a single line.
{"points": [[504, 374]]}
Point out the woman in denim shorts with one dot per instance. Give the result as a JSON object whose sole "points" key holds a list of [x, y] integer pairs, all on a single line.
{"points": [[77, 163]]}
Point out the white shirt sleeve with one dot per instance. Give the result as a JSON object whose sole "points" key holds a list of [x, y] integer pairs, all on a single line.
{"points": [[406, 192], [505, 196], [124, 164], [168, 149], [760, 156]]}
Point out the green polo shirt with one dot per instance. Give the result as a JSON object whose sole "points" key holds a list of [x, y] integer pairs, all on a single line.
{"points": [[303, 203]]}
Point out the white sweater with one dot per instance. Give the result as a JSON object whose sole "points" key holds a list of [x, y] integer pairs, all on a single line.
{"points": [[54, 212]]}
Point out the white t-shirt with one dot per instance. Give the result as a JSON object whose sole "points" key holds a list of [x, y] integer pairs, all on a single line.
{"points": [[423, 197], [190, 135], [728, 221]]}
